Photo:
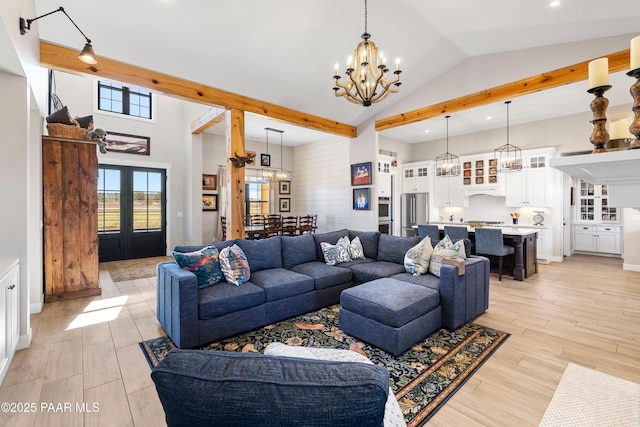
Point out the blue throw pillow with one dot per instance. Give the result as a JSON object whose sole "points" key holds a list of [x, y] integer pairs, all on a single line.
{"points": [[204, 263]]}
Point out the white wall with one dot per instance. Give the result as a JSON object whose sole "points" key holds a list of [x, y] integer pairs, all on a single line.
{"points": [[362, 149], [322, 183], [171, 147], [22, 85]]}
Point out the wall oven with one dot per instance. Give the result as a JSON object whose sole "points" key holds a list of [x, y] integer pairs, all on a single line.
{"points": [[384, 209]]}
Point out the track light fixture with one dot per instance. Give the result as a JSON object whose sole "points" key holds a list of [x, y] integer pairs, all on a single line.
{"points": [[86, 55]]}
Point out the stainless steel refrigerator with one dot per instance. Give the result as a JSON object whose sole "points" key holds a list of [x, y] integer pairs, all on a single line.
{"points": [[414, 211]]}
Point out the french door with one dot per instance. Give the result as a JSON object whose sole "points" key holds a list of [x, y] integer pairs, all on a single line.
{"points": [[131, 212]]}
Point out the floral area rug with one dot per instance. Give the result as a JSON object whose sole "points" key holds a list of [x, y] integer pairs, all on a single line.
{"points": [[422, 378]]}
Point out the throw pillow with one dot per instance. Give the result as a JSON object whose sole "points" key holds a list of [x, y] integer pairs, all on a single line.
{"points": [[356, 251], [61, 116], [335, 254], [417, 259], [445, 249], [204, 263], [234, 265], [85, 122]]}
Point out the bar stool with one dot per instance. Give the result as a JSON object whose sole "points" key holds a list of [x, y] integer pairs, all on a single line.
{"points": [[456, 232], [489, 242], [429, 230]]}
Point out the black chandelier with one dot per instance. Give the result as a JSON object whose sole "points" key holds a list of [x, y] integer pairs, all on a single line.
{"points": [[367, 80]]}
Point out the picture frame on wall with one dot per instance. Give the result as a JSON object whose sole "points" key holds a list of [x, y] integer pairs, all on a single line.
{"points": [[209, 202], [265, 160], [209, 182], [285, 204], [130, 144], [362, 199], [361, 174], [285, 187]]}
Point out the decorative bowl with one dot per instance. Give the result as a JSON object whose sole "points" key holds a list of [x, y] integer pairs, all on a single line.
{"points": [[476, 224]]}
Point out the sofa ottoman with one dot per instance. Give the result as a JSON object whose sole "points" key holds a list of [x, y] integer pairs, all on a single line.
{"points": [[390, 314]]}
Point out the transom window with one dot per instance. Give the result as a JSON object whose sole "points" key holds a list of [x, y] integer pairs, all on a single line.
{"points": [[120, 99]]}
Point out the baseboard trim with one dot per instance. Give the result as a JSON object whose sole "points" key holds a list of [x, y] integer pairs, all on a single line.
{"points": [[631, 267]]}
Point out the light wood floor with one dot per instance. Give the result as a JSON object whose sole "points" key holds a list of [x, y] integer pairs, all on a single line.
{"points": [[585, 310]]}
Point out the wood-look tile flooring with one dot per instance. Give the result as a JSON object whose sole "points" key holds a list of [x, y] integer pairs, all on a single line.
{"points": [[585, 310]]}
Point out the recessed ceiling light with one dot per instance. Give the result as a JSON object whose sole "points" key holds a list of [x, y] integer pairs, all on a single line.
{"points": [[426, 131], [489, 117], [555, 3]]}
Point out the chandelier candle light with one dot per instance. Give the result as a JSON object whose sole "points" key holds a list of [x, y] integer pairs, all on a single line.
{"points": [[634, 128], [448, 164], [598, 85], [367, 80], [508, 156]]}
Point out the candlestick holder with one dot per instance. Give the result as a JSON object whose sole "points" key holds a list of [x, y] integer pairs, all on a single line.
{"points": [[634, 128], [599, 136]]}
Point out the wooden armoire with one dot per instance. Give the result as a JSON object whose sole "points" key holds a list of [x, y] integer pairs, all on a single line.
{"points": [[70, 204]]}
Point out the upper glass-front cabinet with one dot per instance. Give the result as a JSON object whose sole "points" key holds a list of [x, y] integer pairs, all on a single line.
{"points": [[593, 204]]}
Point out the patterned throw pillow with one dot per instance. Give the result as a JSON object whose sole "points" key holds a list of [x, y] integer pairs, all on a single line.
{"points": [[335, 254], [204, 263], [445, 249], [418, 258], [234, 265], [356, 251]]}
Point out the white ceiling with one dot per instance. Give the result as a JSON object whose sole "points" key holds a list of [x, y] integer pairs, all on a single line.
{"points": [[284, 51]]}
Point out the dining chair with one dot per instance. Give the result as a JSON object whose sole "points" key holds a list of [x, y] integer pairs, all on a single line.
{"points": [[314, 223], [430, 230], [223, 224], [306, 224], [256, 227], [272, 226], [289, 225], [489, 241]]}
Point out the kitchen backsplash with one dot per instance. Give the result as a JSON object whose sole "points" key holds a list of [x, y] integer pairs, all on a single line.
{"points": [[487, 208]]}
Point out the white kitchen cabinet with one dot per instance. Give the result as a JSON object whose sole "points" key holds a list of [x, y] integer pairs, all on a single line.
{"points": [[384, 184], [449, 192], [544, 244], [415, 178], [593, 205], [598, 238], [9, 332], [530, 186]]}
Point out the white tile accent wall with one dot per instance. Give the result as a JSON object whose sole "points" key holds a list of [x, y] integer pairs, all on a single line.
{"points": [[321, 182]]}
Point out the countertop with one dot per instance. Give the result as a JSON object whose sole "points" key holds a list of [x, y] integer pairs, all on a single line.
{"points": [[503, 226]]}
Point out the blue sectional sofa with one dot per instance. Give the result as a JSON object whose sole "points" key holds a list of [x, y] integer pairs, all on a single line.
{"points": [[289, 277]]}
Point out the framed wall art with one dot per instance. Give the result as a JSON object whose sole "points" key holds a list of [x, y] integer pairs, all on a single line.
{"points": [[285, 187], [361, 174], [209, 202], [265, 160], [209, 182], [285, 204], [362, 199], [125, 143]]}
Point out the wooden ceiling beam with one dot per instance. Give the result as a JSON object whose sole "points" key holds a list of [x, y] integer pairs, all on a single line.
{"points": [[64, 59], [207, 120], [618, 61]]}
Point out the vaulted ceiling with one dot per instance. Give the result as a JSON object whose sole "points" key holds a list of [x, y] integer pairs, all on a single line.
{"points": [[284, 51]]}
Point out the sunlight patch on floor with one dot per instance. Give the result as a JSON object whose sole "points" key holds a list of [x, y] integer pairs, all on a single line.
{"points": [[99, 311]]}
